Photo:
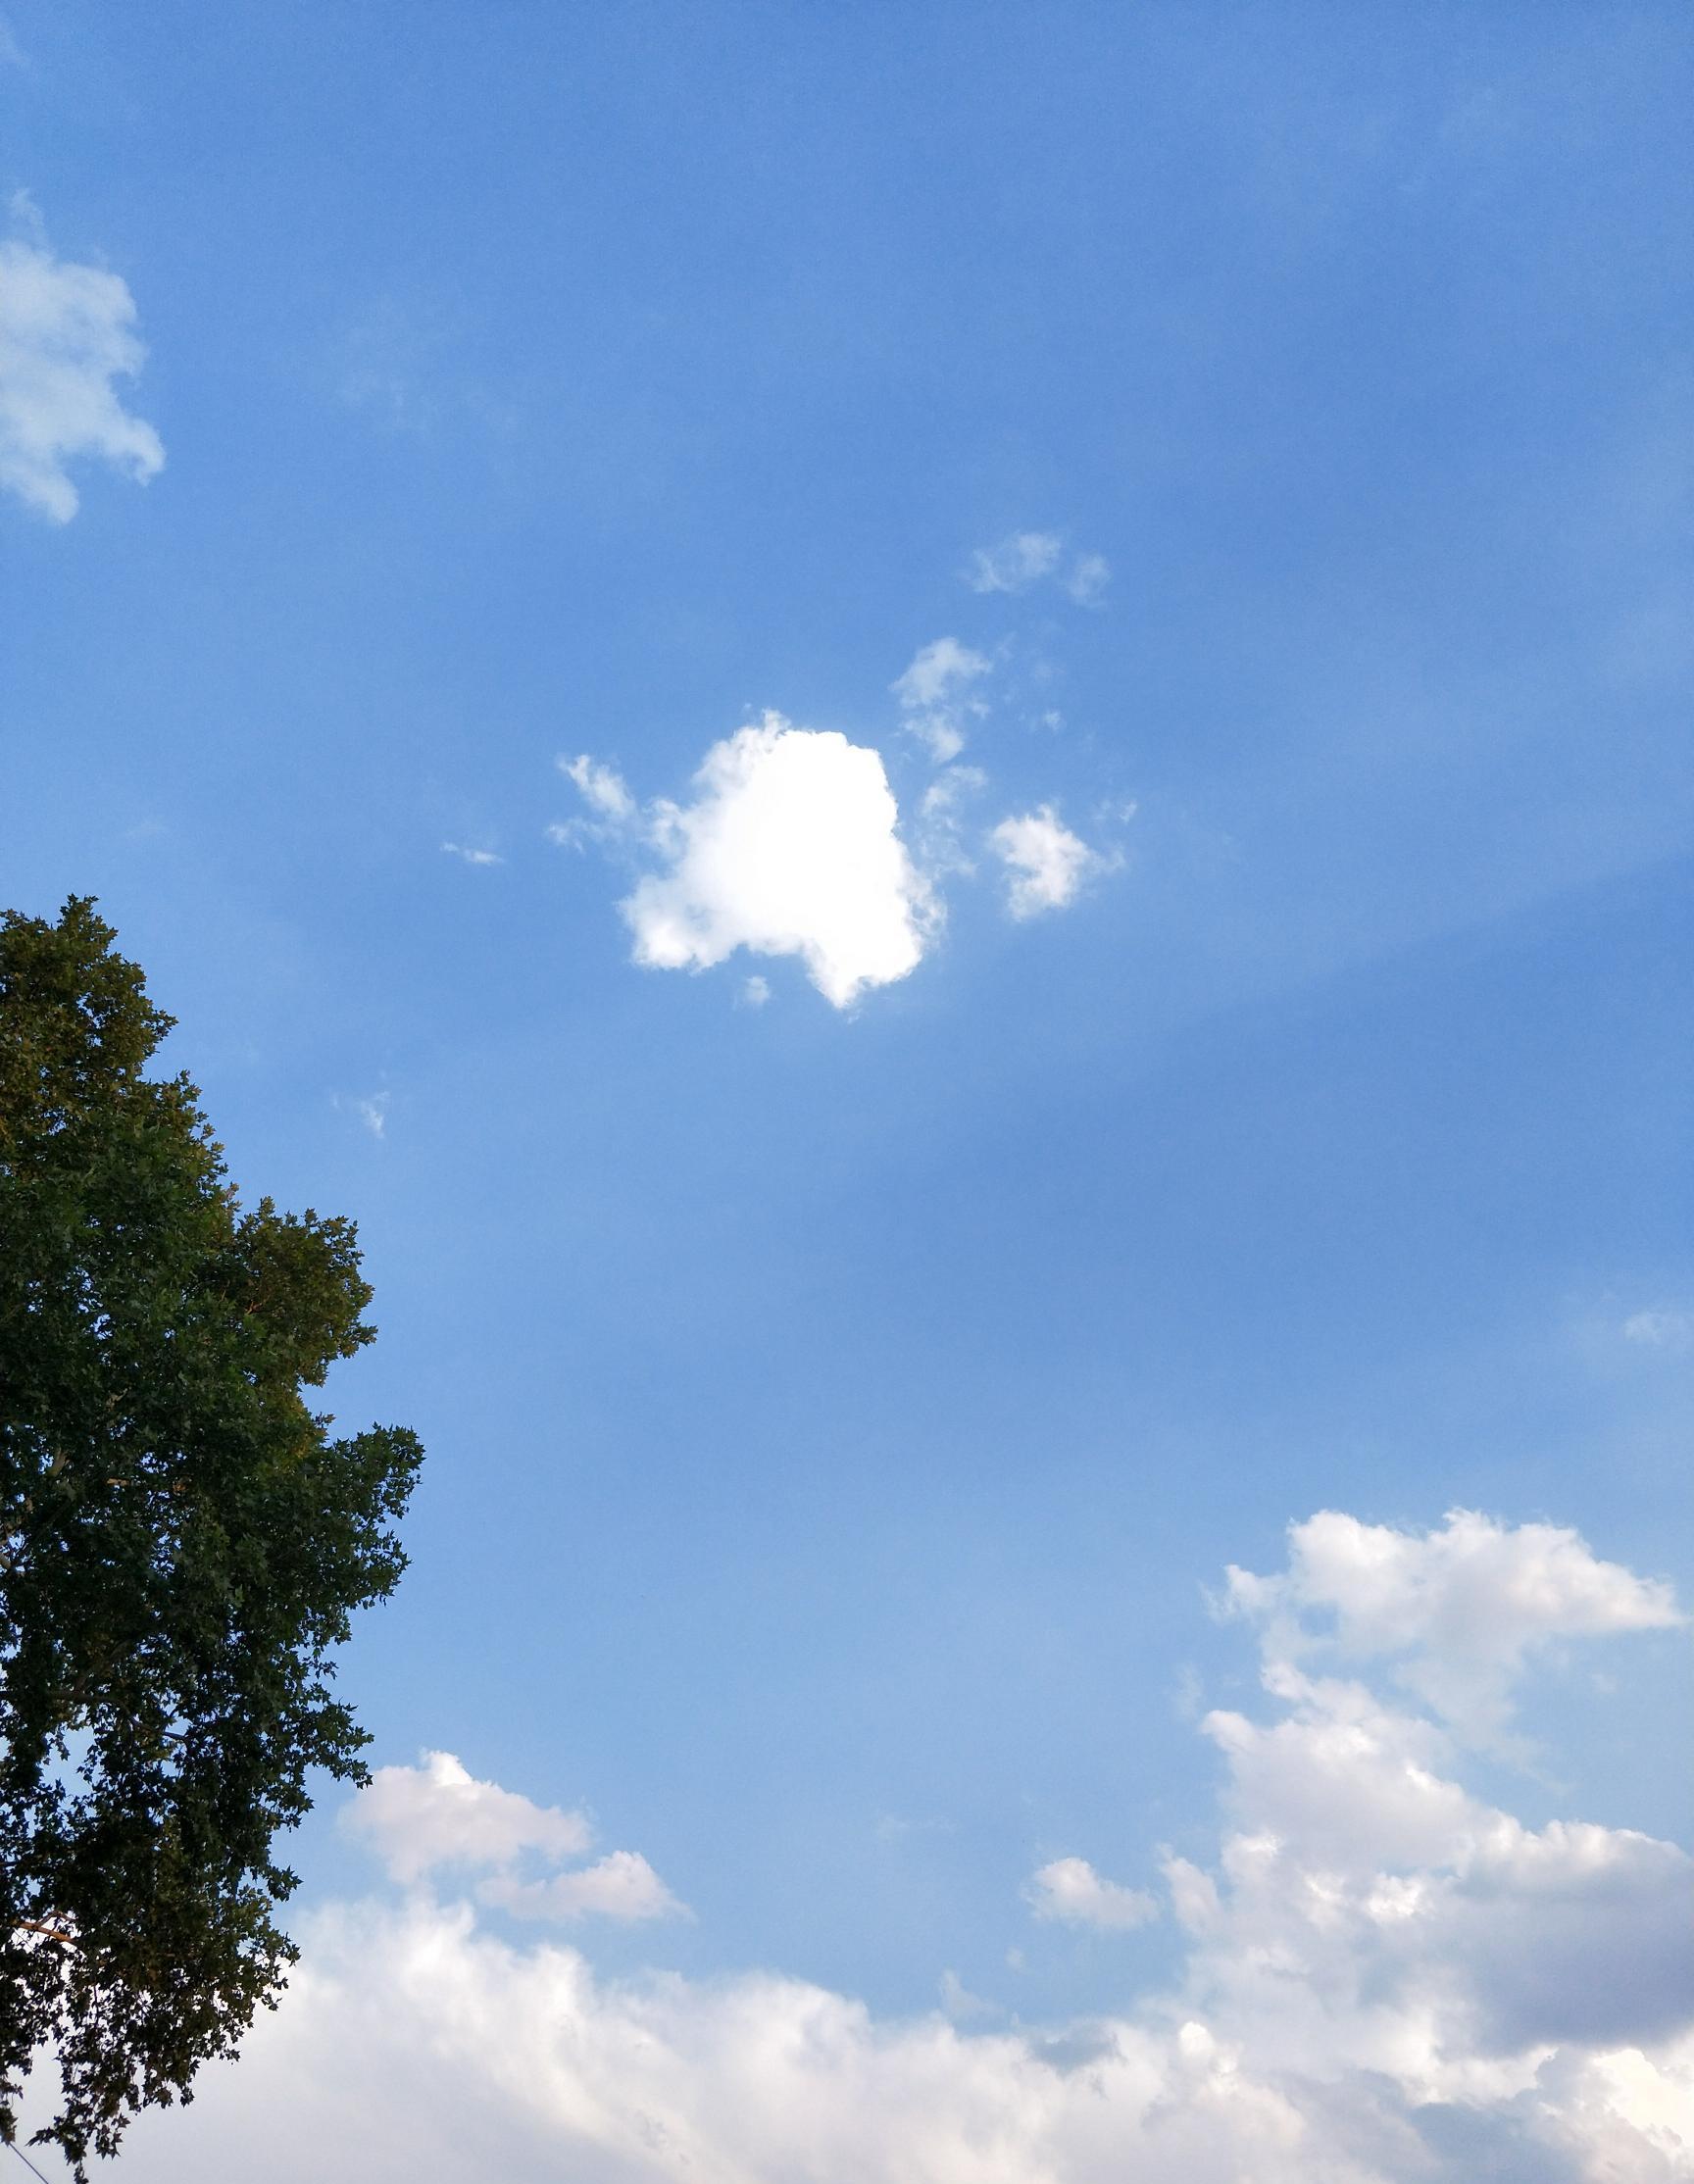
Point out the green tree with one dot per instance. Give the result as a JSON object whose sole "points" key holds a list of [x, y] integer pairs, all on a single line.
{"points": [[183, 1546]]}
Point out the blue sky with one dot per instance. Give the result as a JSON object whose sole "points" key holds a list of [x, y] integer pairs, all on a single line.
{"points": [[907, 1163]]}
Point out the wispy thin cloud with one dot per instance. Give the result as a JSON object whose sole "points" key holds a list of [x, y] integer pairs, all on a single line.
{"points": [[1025, 559], [1016, 563], [1662, 1328], [937, 696]]}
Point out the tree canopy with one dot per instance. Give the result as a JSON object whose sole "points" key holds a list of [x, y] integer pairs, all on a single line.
{"points": [[184, 1543]]}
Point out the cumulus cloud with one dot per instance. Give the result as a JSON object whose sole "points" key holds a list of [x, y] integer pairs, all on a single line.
{"points": [[1459, 1609], [790, 847], [437, 1815], [67, 335], [1386, 1980], [620, 1885], [437, 1818], [467, 856], [791, 841], [936, 698], [1045, 863], [1069, 1889]]}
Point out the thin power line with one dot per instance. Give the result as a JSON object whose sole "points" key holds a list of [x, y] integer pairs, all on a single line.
{"points": [[24, 2159]]}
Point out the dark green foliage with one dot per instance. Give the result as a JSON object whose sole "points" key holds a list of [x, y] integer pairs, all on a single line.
{"points": [[184, 1545]]}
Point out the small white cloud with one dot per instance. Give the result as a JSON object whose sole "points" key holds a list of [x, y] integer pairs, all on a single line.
{"points": [[67, 333], [602, 789], [755, 992], [373, 1113], [1028, 558], [1046, 863], [420, 1819], [1088, 576], [1070, 1890], [934, 694], [620, 1886], [1661, 1330], [1016, 563], [471, 856], [790, 848]]}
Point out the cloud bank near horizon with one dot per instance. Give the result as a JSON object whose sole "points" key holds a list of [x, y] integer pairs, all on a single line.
{"points": [[1386, 1980]]}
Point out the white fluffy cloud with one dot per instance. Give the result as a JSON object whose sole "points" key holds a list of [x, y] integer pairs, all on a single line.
{"points": [[437, 1817], [1070, 1890], [67, 333], [1045, 863], [936, 697], [791, 847], [1387, 1981], [620, 1885], [791, 842], [1459, 1609]]}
